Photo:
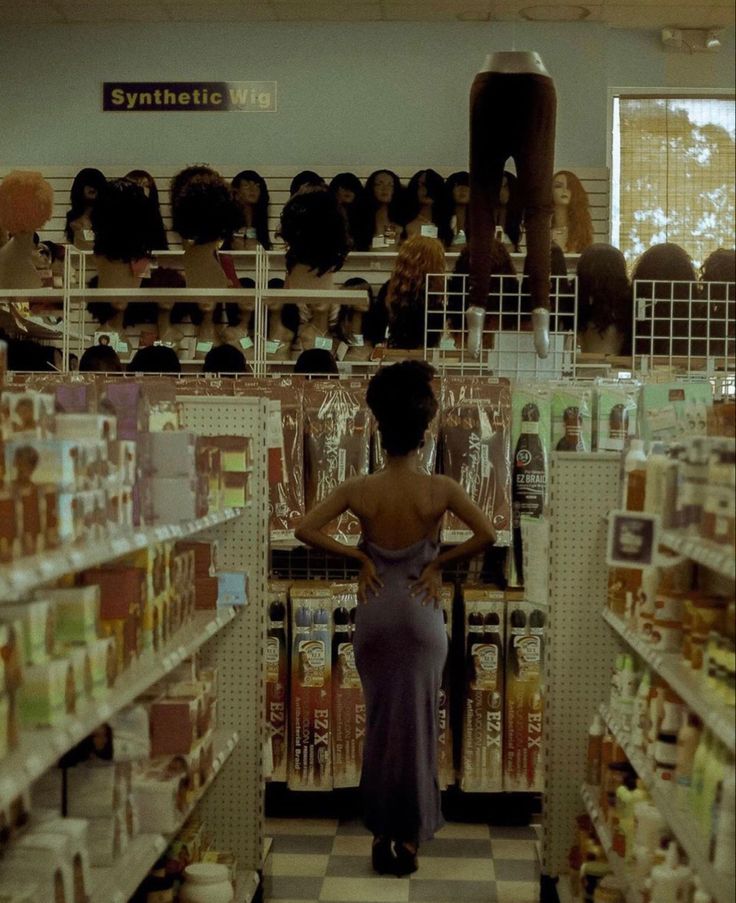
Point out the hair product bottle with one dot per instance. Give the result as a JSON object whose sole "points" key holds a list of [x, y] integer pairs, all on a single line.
{"points": [[529, 478], [635, 476]]}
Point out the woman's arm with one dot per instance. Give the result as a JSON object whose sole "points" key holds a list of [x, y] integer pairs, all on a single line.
{"points": [[311, 527]]}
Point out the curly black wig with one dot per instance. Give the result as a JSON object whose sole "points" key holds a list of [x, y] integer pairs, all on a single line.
{"points": [[123, 222]]}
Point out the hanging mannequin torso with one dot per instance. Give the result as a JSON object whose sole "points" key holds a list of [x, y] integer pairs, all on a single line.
{"points": [[17, 269], [515, 61]]}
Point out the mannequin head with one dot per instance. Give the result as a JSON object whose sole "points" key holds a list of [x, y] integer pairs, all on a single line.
{"points": [[347, 188], [510, 200], [719, 266], [427, 189], [568, 192], [667, 262], [26, 202], [316, 362], [87, 185], [315, 231], [224, 359], [202, 206], [307, 178], [155, 359], [457, 189], [146, 181], [123, 222], [604, 290], [383, 187], [250, 189], [418, 256]]}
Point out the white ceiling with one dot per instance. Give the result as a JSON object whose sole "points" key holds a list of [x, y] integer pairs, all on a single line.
{"points": [[652, 14]]}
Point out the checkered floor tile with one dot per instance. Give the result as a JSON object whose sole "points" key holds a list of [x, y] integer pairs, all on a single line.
{"points": [[315, 860]]}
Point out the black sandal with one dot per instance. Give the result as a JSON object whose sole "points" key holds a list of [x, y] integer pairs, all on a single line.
{"points": [[383, 858], [406, 859]]}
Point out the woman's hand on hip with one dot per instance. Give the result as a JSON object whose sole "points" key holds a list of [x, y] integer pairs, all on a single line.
{"points": [[369, 583], [429, 585]]}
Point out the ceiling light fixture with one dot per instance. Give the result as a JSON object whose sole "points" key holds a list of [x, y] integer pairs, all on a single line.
{"points": [[691, 40], [712, 41], [561, 13]]}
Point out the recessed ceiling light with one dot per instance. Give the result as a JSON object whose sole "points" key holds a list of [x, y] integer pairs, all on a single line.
{"points": [[554, 13]]}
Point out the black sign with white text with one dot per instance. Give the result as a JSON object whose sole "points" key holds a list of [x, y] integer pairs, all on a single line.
{"points": [[189, 97]]}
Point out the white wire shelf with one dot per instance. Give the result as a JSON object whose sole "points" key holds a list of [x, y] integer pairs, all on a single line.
{"points": [[617, 864], [720, 886], [28, 573], [39, 749], [713, 555], [119, 882], [690, 686]]}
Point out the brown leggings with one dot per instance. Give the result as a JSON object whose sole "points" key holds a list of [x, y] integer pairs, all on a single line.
{"points": [[511, 115]]}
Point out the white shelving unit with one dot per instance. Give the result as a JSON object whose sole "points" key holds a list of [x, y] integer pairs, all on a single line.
{"points": [[33, 571], [39, 749], [722, 887], [118, 883], [719, 558], [618, 866], [690, 687]]}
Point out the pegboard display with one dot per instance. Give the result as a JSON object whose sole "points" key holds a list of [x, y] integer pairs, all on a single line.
{"points": [[233, 808], [580, 651]]}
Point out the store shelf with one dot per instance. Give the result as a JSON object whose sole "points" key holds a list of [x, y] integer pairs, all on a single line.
{"points": [[246, 886], [39, 749], [25, 574], [119, 882], [617, 864], [713, 555], [722, 887], [690, 686]]}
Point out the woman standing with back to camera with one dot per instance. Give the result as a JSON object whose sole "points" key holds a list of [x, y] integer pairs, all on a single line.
{"points": [[400, 638]]}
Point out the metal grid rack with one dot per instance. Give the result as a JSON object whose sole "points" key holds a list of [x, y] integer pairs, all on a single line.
{"points": [[233, 808], [499, 342], [583, 488], [687, 325]]}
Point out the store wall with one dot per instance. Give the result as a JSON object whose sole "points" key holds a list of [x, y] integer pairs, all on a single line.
{"points": [[358, 93]]}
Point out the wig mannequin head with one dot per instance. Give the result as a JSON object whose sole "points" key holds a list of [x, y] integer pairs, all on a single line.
{"points": [[719, 266], [418, 257], [307, 178], [100, 359], [347, 188], [316, 362], [666, 262], [155, 359], [26, 201], [428, 187], [403, 402], [150, 189], [384, 187], [86, 187], [457, 187], [604, 290], [249, 187], [123, 222], [568, 191], [224, 359], [202, 206], [315, 231]]}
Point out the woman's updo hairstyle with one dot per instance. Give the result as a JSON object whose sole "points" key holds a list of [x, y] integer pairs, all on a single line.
{"points": [[403, 403]]}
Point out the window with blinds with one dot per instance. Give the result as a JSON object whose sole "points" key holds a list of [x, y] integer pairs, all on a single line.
{"points": [[673, 173]]}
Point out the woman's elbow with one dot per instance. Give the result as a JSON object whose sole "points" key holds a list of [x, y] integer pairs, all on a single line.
{"points": [[300, 534]]}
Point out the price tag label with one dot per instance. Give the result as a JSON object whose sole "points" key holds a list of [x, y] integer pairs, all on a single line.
{"points": [[120, 546], [204, 347], [323, 342], [76, 558], [272, 346], [33, 765], [104, 711], [168, 662], [211, 627], [246, 343]]}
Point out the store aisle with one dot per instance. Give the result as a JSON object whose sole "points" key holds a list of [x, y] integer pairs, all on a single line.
{"points": [[314, 860]]}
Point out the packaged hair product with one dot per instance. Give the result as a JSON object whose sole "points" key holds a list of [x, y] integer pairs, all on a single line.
{"points": [[673, 410], [445, 759], [309, 766], [277, 669], [525, 629], [476, 433], [483, 694], [337, 443], [572, 419], [348, 704], [615, 418]]}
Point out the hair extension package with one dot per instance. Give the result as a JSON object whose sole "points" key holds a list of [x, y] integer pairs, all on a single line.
{"points": [[337, 439], [483, 695], [310, 726], [445, 758], [525, 626], [673, 410], [348, 704], [572, 418], [277, 668], [614, 421], [476, 436], [285, 455]]}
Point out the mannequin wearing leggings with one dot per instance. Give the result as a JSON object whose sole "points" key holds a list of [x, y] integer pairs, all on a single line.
{"points": [[512, 114]]}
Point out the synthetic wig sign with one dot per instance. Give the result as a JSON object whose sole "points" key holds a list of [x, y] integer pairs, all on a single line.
{"points": [[189, 97]]}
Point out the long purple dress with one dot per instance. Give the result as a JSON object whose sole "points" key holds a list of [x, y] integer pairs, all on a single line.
{"points": [[400, 651]]}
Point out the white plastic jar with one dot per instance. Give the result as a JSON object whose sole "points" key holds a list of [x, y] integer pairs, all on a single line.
{"points": [[207, 882]]}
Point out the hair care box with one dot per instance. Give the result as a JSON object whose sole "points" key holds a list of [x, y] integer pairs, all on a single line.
{"points": [[86, 426], [48, 693], [309, 765], [27, 414], [445, 758], [483, 691], [37, 629], [525, 629], [60, 462], [476, 432], [615, 414], [76, 613], [348, 704], [674, 410], [10, 529], [232, 588], [572, 419], [167, 454], [277, 672], [337, 445]]}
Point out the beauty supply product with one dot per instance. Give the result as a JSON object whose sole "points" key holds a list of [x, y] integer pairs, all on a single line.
{"points": [[311, 687], [670, 880], [615, 420], [348, 703], [483, 693], [277, 656], [674, 410], [635, 476], [593, 758], [476, 428], [571, 419], [445, 764], [530, 469], [665, 748], [724, 825]]}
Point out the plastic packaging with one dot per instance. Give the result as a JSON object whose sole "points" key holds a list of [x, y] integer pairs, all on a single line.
{"points": [[635, 476]]}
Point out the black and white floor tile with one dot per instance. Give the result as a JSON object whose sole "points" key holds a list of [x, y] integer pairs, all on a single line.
{"points": [[315, 860]]}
